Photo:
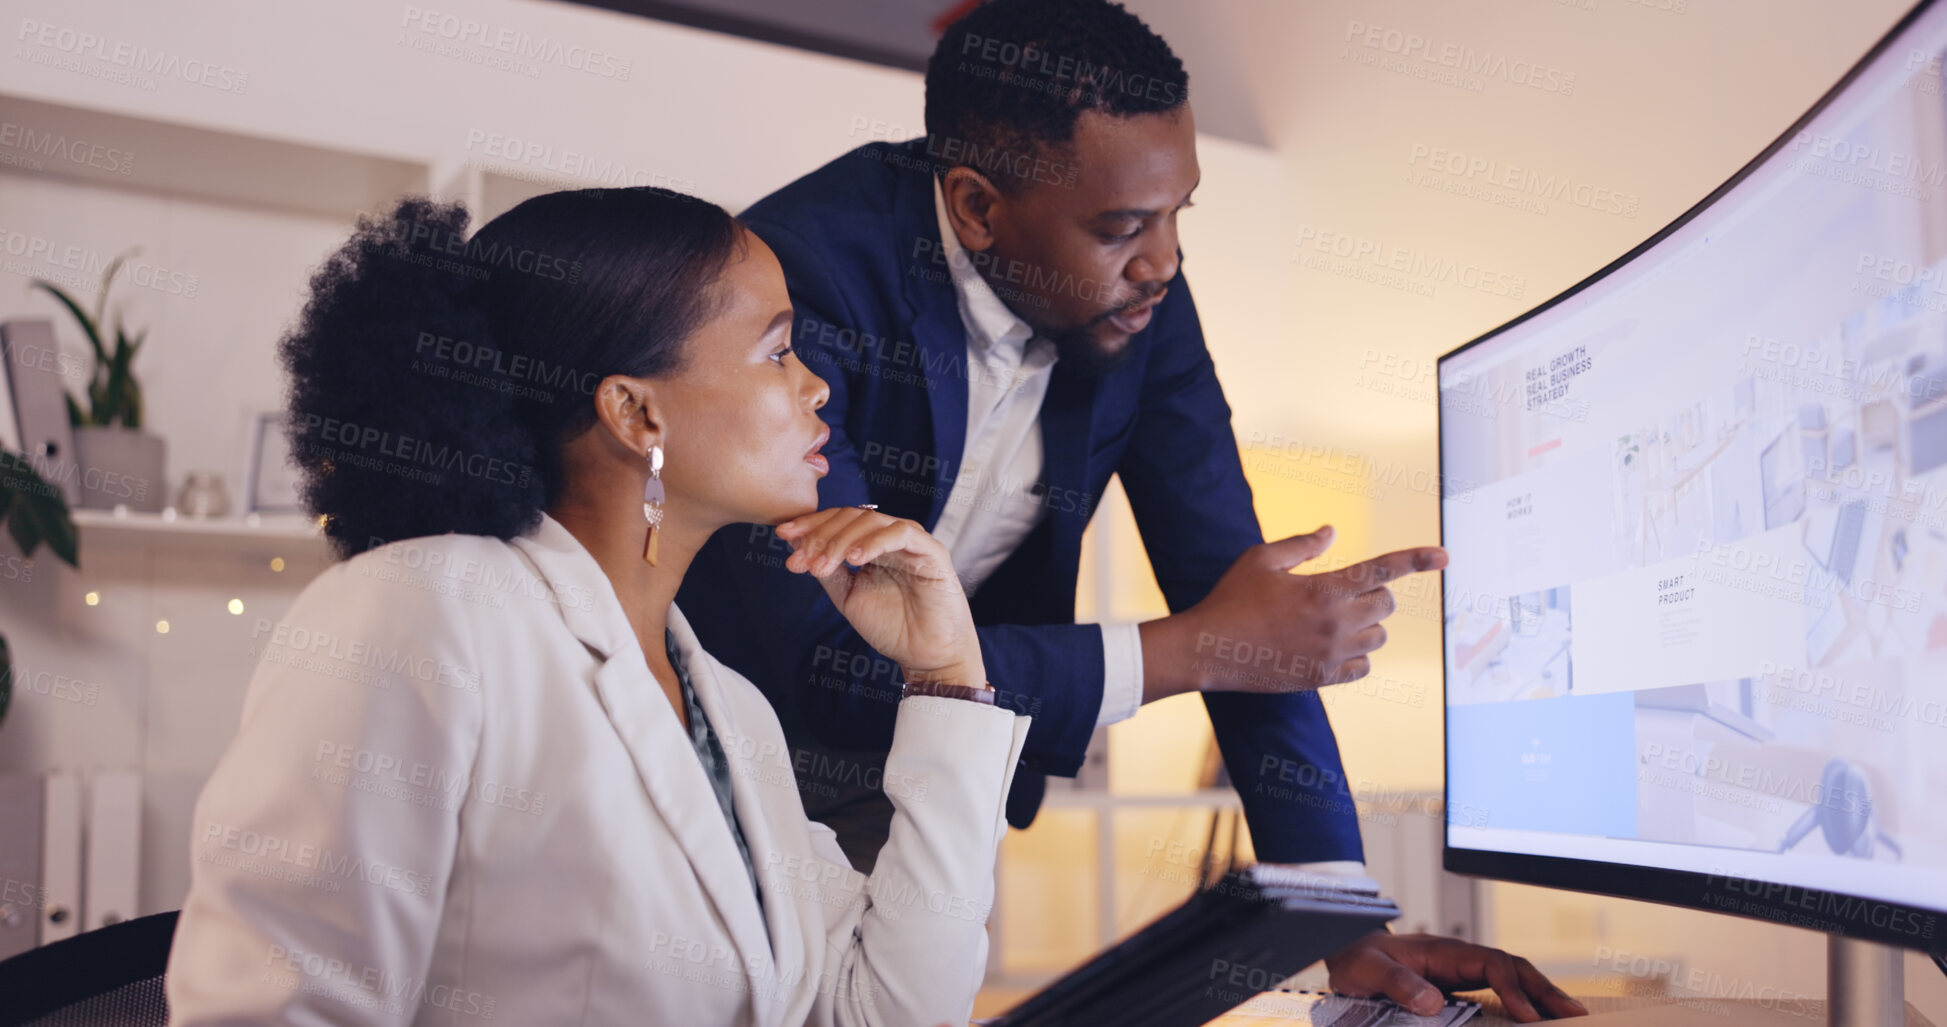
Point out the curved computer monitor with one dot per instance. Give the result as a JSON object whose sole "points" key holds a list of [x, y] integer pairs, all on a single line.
{"points": [[1696, 618]]}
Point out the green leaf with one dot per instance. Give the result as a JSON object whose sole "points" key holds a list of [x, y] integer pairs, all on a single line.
{"points": [[26, 533], [74, 307], [6, 678], [37, 519], [36, 511], [108, 279], [64, 538], [98, 402], [105, 397], [124, 391], [115, 389], [57, 526], [87, 328]]}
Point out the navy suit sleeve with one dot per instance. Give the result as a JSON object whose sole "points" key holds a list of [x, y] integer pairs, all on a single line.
{"points": [[1186, 487], [815, 669]]}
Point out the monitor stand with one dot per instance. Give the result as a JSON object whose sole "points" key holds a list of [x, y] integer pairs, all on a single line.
{"points": [[1865, 984]]}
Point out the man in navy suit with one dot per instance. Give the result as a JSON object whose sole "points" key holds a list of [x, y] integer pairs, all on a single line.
{"points": [[1000, 311]]}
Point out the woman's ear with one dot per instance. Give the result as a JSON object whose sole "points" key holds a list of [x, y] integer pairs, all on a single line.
{"points": [[627, 410], [970, 203]]}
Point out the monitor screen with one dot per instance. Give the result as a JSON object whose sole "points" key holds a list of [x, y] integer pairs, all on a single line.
{"points": [[1696, 617]]}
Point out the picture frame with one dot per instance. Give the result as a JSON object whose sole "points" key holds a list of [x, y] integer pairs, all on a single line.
{"points": [[270, 479]]}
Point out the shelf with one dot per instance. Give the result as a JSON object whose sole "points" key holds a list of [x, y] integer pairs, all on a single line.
{"points": [[295, 527], [292, 534], [157, 156], [490, 190]]}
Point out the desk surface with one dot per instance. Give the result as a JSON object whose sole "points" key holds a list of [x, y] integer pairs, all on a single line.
{"points": [[1493, 1016]]}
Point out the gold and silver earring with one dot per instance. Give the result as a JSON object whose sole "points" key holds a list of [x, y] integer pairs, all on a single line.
{"points": [[652, 503]]}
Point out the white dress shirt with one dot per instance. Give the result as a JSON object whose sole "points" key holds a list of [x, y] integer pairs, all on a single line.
{"points": [[996, 501]]}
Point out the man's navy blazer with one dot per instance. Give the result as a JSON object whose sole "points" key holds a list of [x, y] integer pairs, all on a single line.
{"points": [[877, 318]]}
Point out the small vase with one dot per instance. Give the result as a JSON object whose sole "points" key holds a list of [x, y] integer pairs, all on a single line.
{"points": [[203, 495], [120, 467]]}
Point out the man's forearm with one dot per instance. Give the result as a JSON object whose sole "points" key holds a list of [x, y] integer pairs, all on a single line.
{"points": [[1169, 658]]}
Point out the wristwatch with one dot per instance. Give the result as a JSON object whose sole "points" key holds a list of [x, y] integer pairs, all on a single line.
{"points": [[946, 691]]}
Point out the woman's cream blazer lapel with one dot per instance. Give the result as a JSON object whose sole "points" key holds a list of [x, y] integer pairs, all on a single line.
{"points": [[766, 794], [665, 761]]}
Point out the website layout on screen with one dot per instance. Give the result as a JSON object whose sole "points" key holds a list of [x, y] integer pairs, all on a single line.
{"points": [[1696, 616]]}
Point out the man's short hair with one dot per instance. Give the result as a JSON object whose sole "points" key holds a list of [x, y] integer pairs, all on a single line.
{"points": [[1009, 79]]}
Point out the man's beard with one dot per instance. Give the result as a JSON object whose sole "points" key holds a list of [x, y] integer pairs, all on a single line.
{"points": [[1077, 347], [1078, 350]]}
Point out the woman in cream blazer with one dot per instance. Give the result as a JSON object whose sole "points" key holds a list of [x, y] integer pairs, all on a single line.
{"points": [[484, 772]]}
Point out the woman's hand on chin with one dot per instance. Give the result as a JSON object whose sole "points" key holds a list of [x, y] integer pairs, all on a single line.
{"points": [[895, 584]]}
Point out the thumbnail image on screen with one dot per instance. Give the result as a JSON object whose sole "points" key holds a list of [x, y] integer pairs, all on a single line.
{"points": [[1696, 616]]}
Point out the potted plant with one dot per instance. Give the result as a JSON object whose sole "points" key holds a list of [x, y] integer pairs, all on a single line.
{"points": [[120, 463], [35, 513]]}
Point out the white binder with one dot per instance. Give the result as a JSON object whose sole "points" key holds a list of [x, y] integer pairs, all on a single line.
{"points": [[20, 862], [61, 859], [40, 404], [114, 848], [9, 420]]}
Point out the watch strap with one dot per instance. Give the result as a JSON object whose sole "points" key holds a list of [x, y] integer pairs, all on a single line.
{"points": [[946, 691]]}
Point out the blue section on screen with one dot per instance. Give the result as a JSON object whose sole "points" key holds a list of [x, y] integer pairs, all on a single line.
{"points": [[1566, 765]]}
